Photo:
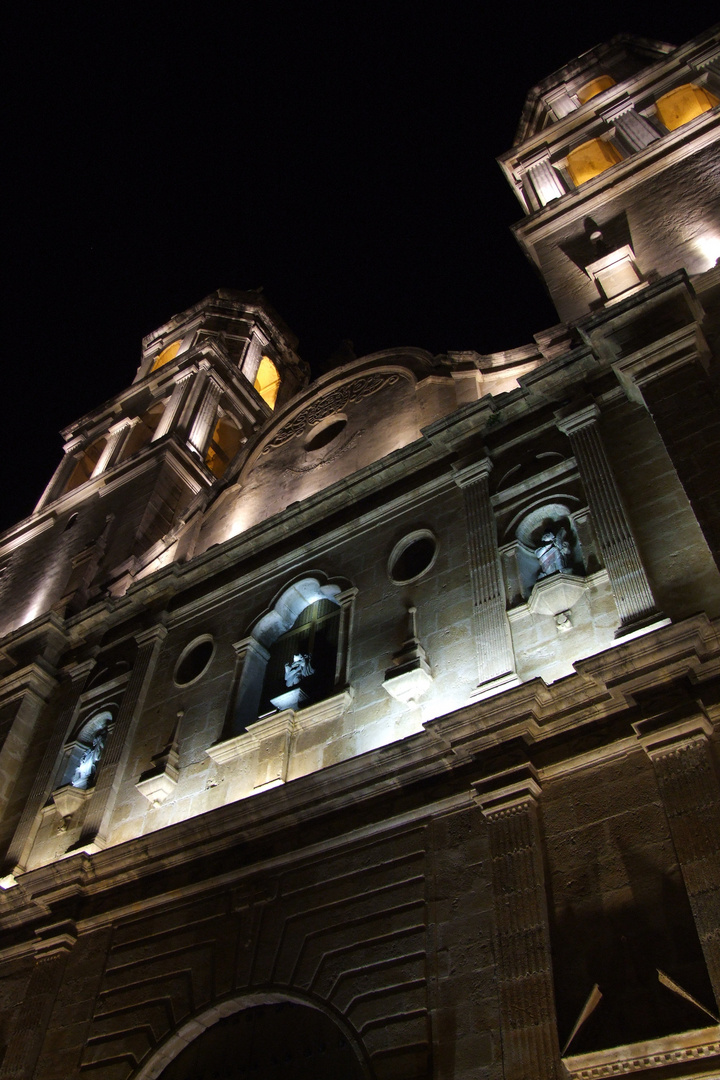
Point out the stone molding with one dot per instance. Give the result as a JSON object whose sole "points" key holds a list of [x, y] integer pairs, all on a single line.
{"points": [[646, 1057], [274, 734]]}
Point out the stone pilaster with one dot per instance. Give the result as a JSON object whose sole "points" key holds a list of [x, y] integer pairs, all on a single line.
{"points": [[629, 582], [681, 755], [509, 802], [100, 806], [115, 436], [24, 695], [545, 183], [252, 658], [496, 662], [173, 407], [26, 1041], [202, 425], [21, 843], [634, 129], [346, 600], [670, 379]]}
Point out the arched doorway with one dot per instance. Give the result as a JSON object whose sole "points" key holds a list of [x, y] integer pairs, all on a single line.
{"points": [[269, 1041]]}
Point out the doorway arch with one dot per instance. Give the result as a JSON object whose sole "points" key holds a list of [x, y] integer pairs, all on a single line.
{"points": [[260, 1037]]}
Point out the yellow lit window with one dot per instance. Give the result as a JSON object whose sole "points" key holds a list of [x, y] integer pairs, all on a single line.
{"points": [[591, 159], [267, 381], [594, 87], [85, 464], [683, 104], [169, 353], [224, 445]]}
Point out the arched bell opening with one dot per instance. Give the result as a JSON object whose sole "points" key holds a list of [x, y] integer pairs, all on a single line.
{"points": [[297, 653]]}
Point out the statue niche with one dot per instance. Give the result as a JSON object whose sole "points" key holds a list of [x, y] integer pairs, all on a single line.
{"points": [[301, 666], [547, 544]]}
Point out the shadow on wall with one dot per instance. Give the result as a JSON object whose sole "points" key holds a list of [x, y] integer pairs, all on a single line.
{"points": [[620, 944]]}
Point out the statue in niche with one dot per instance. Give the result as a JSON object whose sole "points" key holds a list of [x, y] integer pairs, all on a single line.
{"points": [[84, 775], [297, 669], [553, 553]]}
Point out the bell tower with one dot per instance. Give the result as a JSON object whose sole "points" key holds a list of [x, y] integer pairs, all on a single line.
{"points": [[135, 468], [615, 166]]}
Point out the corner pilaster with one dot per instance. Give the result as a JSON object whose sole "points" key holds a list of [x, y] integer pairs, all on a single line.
{"points": [[680, 751], [509, 803]]}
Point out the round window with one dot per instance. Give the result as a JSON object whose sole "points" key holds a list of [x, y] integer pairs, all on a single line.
{"points": [[194, 661], [412, 557], [324, 433]]}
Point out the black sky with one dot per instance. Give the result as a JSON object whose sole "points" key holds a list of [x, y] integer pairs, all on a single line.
{"points": [[339, 155]]}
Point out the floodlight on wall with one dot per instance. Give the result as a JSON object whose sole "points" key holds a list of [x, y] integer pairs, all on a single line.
{"points": [[708, 245]]}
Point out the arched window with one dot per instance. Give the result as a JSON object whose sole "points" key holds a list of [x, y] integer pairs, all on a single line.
{"points": [[85, 464], [168, 353], [302, 661], [81, 757], [267, 381], [142, 430], [297, 653], [594, 87], [224, 445], [590, 159], [683, 104]]}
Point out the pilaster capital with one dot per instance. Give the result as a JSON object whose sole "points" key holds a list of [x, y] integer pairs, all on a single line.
{"points": [[250, 645], [572, 420], [152, 636], [672, 353], [471, 471], [618, 108], [78, 672], [659, 738], [503, 792]]}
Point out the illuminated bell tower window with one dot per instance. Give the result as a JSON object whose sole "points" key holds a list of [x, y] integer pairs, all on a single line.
{"points": [[267, 381], [85, 464], [168, 353], [224, 445], [590, 159], [594, 87], [683, 104], [143, 430]]}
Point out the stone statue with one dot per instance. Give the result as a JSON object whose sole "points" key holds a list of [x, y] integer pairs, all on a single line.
{"points": [[298, 669], [553, 553], [84, 775]]}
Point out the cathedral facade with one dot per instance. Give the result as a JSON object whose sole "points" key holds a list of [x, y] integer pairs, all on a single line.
{"points": [[368, 726]]}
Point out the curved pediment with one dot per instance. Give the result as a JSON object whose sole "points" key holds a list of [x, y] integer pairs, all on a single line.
{"points": [[347, 420]]}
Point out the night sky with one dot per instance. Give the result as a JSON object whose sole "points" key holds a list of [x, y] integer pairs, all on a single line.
{"points": [[341, 156]]}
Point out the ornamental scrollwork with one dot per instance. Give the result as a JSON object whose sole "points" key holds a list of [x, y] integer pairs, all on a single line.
{"points": [[331, 403]]}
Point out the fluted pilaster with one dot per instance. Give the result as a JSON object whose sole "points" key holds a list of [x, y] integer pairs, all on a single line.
{"points": [[629, 582], [492, 631], [509, 803], [102, 802]]}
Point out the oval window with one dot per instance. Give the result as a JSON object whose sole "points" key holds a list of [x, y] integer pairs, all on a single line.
{"points": [[412, 557], [193, 661], [324, 434]]}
